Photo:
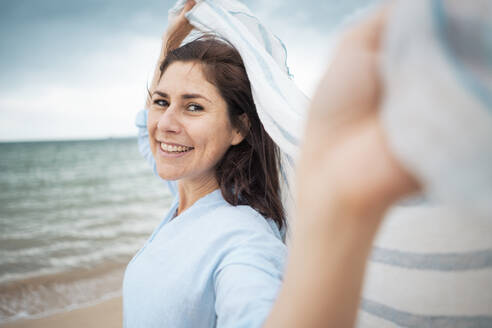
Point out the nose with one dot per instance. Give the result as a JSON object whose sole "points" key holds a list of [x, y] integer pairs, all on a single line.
{"points": [[169, 121]]}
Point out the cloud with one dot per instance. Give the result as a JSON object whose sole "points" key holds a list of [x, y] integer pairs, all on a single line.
{"points": [[101, 113], [309, 30], [54, 37], [98, 98], [75, 69]]}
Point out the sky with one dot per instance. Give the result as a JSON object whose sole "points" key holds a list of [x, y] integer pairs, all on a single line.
{"points": [[79, 69]]}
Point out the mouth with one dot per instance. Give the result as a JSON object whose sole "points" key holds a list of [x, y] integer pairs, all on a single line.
{"points": [[174, 148]]}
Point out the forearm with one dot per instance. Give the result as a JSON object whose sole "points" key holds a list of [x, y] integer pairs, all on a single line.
{"points": [[172, 39], [324, 275], [157, 72]]}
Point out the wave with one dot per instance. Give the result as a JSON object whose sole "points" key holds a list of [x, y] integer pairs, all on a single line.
{"points": [[58, 292]]}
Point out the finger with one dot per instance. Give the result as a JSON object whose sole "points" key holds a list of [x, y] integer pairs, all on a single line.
{"points": [[188, 5], [368, 32]]}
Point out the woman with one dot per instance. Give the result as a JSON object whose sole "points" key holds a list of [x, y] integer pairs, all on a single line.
{"points": [[347, 179], [218, 256]]}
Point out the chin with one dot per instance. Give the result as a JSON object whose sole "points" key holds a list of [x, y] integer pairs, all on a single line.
{"points": [[168, 177], [168, 173]]}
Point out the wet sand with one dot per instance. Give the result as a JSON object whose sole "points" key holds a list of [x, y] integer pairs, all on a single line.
{"points": [[107, 314], [44, 294]]}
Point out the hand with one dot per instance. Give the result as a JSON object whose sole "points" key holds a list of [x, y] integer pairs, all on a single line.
{"points": [[176, 32], [345, 160], [179, 28]]}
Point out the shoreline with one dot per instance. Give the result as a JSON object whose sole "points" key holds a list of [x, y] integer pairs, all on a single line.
{"points": [[52, 295], [108, 314]]}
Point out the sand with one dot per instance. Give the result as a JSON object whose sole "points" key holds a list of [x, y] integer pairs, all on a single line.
{"points": [[107, 314], [82, 285]]}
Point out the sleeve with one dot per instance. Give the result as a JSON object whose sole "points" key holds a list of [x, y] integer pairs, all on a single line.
{"points": [[247, 281], [144, 146]]}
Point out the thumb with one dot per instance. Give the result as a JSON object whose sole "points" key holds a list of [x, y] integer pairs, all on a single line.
{"points": [[188, 5], [368, 32]]}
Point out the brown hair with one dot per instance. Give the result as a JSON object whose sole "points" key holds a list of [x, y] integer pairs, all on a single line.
{"points": [[248, 174]]}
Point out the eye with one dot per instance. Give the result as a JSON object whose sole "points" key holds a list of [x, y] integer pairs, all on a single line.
{"points": [[161, 102], [194, 108]]}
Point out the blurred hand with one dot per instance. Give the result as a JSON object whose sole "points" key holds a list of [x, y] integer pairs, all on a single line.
{"points": [[345, 161]]}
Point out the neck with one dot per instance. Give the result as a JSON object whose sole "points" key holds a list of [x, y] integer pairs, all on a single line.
{"points": [[191, 190]]}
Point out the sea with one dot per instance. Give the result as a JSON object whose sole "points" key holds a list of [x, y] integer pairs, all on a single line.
{"points": [[72, 215]]}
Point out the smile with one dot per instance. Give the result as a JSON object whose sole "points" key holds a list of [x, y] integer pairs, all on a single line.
{"points": [[170, 148]]}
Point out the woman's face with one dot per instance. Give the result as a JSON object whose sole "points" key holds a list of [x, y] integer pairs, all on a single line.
{"points": [[188, 123]]}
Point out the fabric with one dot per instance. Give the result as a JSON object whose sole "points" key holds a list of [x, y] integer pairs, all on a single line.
{"points": [[437, 68], [280, 103], [214, 265], [431, 265]]}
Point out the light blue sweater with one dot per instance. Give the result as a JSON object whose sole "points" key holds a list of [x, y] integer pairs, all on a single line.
{"points": [[214, 265]]}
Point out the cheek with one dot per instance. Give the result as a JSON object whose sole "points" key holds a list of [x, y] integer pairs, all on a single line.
{"points": [[215, 140], [152, 119]]}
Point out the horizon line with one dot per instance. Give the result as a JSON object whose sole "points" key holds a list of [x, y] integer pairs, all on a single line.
{"points": [[99, 138]]}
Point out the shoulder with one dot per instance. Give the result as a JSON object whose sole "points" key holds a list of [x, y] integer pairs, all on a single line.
{"points": [[234, 228], [234, 233], [249, 242], [242, 218]]}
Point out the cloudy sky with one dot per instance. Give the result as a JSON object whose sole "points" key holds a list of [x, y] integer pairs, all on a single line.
{"points": [[79, 69]]}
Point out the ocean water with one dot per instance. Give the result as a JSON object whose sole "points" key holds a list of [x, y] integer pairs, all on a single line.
{"points": [[72, 214]]}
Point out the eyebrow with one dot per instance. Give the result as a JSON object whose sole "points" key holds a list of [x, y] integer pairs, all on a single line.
{"points": [[185, 96]]}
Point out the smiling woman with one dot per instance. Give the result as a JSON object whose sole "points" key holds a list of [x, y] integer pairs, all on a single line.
{"points": [[216, 260], [203, 103]]}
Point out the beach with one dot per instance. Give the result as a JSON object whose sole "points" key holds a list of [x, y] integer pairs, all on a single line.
{"points": [[107, 314], [82, 298], [72, 215]]}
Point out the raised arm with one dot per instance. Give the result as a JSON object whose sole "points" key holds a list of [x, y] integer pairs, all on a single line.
{"points": [[346, 180], [173, 36]]}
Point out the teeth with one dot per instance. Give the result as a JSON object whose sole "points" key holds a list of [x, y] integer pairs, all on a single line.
{"points": [[172, 148]]}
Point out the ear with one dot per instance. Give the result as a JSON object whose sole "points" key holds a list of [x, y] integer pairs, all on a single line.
{"points": [[240, 134]]}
